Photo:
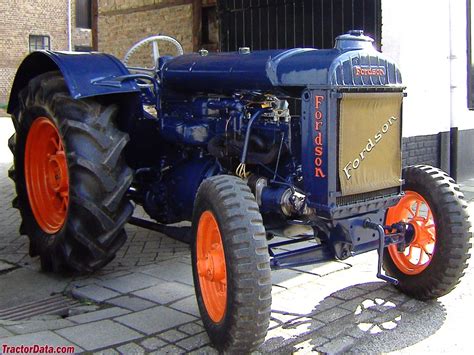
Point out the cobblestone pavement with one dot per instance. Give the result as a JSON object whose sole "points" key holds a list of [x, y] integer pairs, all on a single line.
{"points": [[144, 302]]}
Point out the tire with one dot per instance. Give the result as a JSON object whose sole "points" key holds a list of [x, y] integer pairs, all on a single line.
{"points": [[92, 175], [241, 321], [445, 236]]}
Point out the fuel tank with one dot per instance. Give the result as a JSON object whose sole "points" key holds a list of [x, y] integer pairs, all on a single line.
{"points": [[278, 70]]}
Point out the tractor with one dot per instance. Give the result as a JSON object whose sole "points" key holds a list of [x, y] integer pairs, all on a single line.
{"points": [[279, 158]]}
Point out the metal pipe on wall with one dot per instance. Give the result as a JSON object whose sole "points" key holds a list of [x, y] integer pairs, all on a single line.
{"points": [[69, 30]]}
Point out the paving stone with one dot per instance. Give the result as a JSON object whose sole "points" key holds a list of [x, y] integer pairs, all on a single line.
{"points": [[131, 303], [154, 320], [338, 327], [382, 293], [132, 282], [325, 268], [99, 315], [338, 345], [153, 343], [131, 349], [188, 305], [94, 293], [106, 352], [39, 325], [172, 271], [194, 342], [5, 333], [165, 292], [4, 266], [39, 338], [205, 350], [412, 305], [172, 335], [169, 349], [82, 309], [191, 328], [372, 286], [328, 303], [349, 293], [331, 314], [352, 305], [99, 334]]}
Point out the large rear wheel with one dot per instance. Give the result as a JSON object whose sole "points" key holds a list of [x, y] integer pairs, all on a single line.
{"points": [[432, 264], [70, 176], [231, 266]]}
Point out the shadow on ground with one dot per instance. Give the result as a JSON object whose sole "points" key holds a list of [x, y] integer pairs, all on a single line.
{"points": [[364, 318]]}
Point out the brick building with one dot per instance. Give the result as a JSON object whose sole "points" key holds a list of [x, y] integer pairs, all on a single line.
{"points": [[43, 24], [122, 23]]}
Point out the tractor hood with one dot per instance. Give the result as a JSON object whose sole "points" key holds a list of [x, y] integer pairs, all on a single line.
{"points": [[353, 62]]}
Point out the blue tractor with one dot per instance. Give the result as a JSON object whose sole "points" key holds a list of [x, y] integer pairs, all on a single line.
{"points": [[279, 158]]}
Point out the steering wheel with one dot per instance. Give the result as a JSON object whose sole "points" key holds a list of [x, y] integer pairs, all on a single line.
{"points": [[155, 50]]}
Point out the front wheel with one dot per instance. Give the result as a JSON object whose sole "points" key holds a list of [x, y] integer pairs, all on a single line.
{"points": [[432, 264], [231, 265]]}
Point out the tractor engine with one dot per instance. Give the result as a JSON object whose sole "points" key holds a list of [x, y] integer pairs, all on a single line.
{"points": [[315, 133]]}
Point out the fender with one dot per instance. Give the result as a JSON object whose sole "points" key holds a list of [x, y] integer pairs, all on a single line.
{"points": [[81, 71]]}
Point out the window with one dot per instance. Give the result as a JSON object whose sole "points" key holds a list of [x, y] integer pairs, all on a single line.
{"points": [[83, 14], [470, 56], [38, 42]]}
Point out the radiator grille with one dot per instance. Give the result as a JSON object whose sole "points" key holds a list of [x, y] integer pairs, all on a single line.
{"points": [[367, 196]]}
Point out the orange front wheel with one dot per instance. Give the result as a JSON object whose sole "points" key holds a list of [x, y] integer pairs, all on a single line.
{"points": [[416, 257], [432, 262], [231, 265], [211, 266]]}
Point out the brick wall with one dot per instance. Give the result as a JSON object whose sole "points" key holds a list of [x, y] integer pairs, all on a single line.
{"points": [[421, 150], [122, 23], [23, 18], [19, 20]]}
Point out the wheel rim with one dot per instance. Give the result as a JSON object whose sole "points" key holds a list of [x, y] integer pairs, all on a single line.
{"points": [[46, 175], [416, 257], [211, 266]]}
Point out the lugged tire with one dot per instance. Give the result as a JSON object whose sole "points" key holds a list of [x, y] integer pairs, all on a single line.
{"points": [[247, 313], [98, 177], [451, 251]]}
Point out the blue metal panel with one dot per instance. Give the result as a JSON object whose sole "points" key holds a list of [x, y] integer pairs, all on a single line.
{"points": [[78, 69], [279, 69], [315, 152]]}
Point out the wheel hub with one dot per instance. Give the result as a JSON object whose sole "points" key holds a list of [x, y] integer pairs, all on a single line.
{"points": [[57, 172], [211, 266], [46, 175], [416, 256]]}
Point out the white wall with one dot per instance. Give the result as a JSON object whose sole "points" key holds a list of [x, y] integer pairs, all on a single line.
{"points": [[417, 35]]}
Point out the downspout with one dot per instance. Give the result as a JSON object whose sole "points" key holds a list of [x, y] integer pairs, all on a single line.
{"points": [[69, 30], [450, 147]]}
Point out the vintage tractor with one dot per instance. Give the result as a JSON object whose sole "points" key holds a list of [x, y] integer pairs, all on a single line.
{"points": [[279, 158]]}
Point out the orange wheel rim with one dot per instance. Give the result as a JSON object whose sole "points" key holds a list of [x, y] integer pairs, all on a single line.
{"points": [[46, 175], [416, 257], [211, 266]]}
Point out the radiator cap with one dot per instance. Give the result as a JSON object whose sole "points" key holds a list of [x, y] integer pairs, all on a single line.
{"points": [[353, 40]]}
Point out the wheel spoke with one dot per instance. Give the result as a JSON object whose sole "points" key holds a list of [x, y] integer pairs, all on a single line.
{"points": [[429, 254], [410, 210], [417, 210]]}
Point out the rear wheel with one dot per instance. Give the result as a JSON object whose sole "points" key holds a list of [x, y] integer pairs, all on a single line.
{"points": [[70, 176], [231, 265], [432, 264]]}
